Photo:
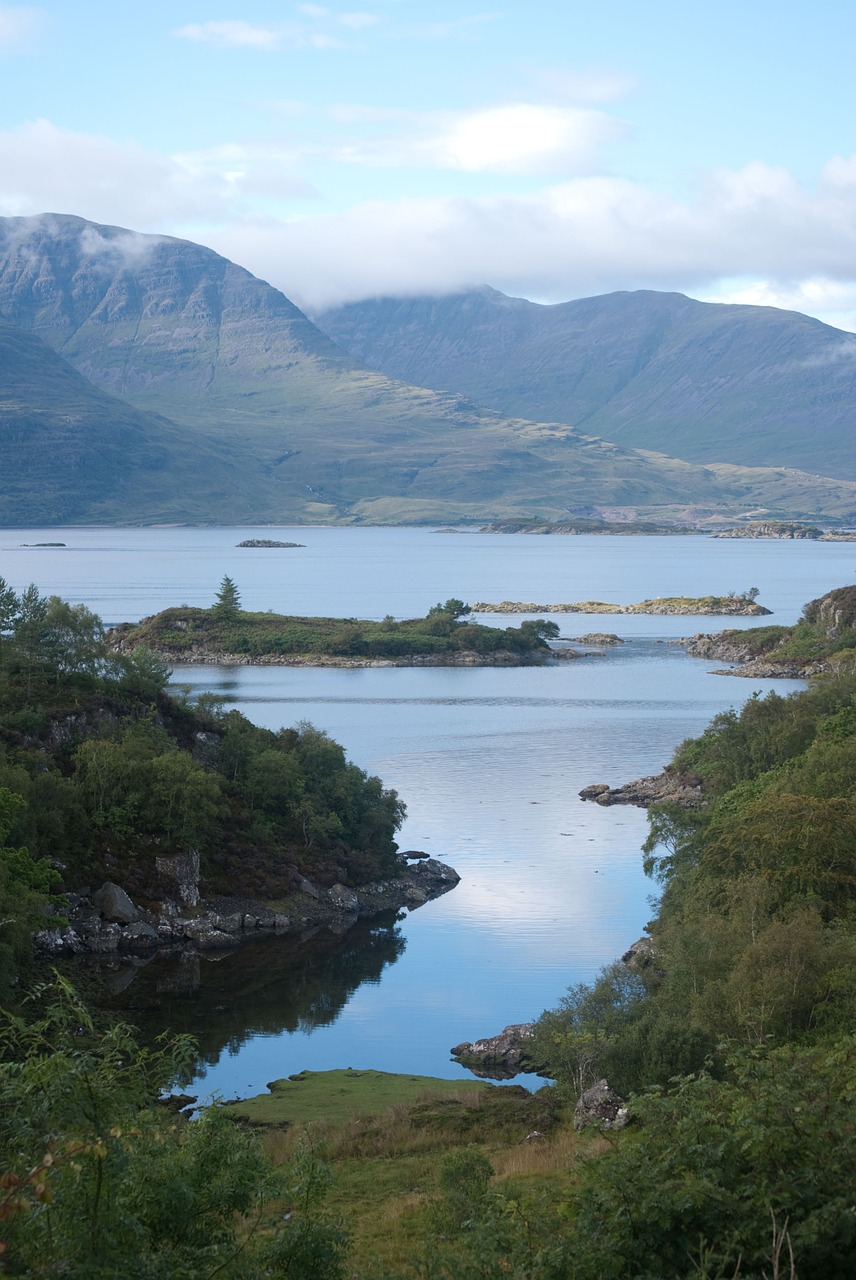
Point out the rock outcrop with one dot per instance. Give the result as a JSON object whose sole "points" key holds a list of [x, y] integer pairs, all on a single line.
{"points": [[659, 788], [96, 921], [498, 1057]]}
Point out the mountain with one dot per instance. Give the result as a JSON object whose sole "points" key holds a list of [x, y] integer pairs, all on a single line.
{"points": [[706, 382], [260, 417], [72, 453]]}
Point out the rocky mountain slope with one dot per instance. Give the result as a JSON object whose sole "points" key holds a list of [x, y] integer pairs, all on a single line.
{"points": [[270, 421], [711, 383]]}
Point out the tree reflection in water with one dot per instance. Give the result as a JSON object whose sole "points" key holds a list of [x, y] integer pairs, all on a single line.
{"points": [[264, 987]]}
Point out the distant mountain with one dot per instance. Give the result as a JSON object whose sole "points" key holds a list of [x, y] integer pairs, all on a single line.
{"points": [[252, 414], [71, 453], [707, 382]]}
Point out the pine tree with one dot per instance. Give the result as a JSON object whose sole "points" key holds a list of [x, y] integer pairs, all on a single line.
{"points": [[228, 601]]}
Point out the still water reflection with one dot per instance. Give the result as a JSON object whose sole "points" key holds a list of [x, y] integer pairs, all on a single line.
{"points": [[489, 762]]}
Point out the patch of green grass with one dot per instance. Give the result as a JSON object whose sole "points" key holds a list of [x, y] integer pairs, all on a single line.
{"points": [[338, 1096]]}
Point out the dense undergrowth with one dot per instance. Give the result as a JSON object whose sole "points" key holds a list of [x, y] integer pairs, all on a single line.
{"points": [[734, 1041], [102, 772]]}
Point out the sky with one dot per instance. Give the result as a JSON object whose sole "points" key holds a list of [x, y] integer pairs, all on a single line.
{"points": [[551, 150]]}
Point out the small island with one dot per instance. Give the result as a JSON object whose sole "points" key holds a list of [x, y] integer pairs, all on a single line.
{"points": [[268, 542], [743, 606], [228, 634]]}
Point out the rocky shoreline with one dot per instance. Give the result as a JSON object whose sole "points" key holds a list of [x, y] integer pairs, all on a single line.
{"points": [[107, 921], [658, 788], [716, 647], [713, 606], [462, 658]]}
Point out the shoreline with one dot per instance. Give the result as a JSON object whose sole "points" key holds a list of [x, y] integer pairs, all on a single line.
{"points": [[463, 658], [109, 923]]}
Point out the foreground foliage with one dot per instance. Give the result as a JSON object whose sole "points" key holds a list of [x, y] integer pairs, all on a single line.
{"points": [[99, 1181]]}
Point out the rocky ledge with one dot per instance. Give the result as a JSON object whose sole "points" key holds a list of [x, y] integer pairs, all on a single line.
{"points": [[460, 658], [659, 788], [715, 606], [727, 647], [108, 921], [498, 1057]]}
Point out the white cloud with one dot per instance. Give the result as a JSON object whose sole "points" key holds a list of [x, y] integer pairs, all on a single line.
{"points": [[586, 236], [750, 235], [44, 167], [519, 138], [833, 301], [313, 10], [235, 34], [19, 24]]}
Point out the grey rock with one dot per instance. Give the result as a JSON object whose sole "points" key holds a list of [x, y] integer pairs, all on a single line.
{"points": [[344, 899], [228, 924], [306, 886], [114, 904], [601, 1107], [139, 934]]}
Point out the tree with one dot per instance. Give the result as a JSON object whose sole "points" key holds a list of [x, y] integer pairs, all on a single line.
{"points": [[228, 601]]}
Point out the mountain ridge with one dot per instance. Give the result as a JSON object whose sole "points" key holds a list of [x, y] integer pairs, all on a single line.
{"points": [[266, 420], [709, 382]]}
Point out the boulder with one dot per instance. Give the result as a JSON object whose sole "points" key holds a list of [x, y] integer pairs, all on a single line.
{"points": [[344, 899], [640, 954], [602, 1108], [114, 904], [139, 936]]}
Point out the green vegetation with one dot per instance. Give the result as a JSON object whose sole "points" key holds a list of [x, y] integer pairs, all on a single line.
{"points": [[226, 629], [98, 1181], [733, 1037], [102, 773], [826, 632], [338, 1095]]}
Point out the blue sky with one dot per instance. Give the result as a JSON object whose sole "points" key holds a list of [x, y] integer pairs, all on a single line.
{"points": [[550, 150]]}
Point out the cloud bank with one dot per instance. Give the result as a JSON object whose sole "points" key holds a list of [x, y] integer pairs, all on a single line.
{"points": [[751, 235]]}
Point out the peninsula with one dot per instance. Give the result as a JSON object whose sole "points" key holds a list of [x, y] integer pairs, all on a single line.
{"points": [[227, 634]]}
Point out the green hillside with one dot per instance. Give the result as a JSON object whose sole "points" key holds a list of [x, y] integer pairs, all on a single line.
{"points": [[275, 424], [711, 383]]}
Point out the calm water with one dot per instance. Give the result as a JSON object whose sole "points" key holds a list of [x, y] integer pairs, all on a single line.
{"points": [[489, 763]]}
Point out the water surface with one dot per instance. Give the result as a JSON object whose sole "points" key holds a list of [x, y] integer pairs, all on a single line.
{"points": [[488, 760]]}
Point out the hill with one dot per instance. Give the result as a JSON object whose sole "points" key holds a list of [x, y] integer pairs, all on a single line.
{"points": [[72, 453], [707, 382], [277, 424]]}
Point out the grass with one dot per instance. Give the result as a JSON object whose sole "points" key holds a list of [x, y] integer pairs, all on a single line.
{"points": [[338, 1097], [386, 1165]]}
